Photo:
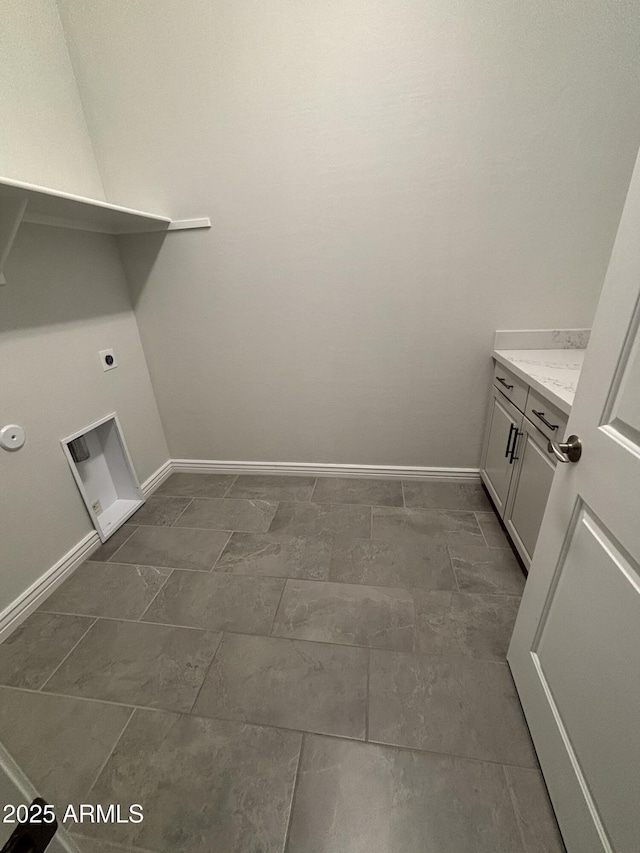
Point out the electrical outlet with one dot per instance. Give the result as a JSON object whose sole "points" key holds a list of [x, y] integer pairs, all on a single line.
{"points": [[96, 506], [107, 359]]}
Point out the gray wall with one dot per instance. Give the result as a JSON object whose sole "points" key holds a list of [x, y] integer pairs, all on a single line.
{"points": [[388, 184], [43, 138], [65, 298]]}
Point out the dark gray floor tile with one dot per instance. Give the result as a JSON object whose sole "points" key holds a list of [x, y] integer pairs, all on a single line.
{"points": [[107, 589], [358, 490], [353, 614], [413, 525], [207, 786], [160, 510], [278, 556], [30, 654], [313, 519], [229, 514], [440, 494], [494, 535], [173, 547], [363, 798], [61, 743], [533, 810], [288, 683], [109, 548], [273, 487], [492, 570], [92, 845], [217, 602], [137, 664], [456, 624], [461, 707], [426, 564], [197, 485]]}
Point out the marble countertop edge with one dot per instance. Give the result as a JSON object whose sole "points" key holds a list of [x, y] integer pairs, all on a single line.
{"points": [[552, 373]]}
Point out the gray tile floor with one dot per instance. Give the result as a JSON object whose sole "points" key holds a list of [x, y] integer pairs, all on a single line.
{"points": [[286, 664]]}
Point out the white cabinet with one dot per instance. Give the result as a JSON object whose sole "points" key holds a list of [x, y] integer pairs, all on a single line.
{"points": [[504, 424], [532, 478], [517, 467]]}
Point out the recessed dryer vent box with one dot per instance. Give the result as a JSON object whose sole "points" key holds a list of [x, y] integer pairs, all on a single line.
{"points": [[106, 477]]}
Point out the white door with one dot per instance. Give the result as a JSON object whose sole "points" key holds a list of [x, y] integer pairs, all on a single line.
{"points": [[575, 651]]}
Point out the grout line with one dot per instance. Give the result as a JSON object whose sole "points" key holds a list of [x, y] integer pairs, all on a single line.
{"points": [[514, 808], [233, 482], [111, 751], [275, 612], [115, 846], [272, 636], [161, 587], [453, 569], [217, 559], [366, 717], [411, 749], [296, 784], [75, 645], [109, 559], [206, 675], [179, 516]]}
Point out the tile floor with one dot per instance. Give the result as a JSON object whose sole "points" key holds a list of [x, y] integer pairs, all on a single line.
{"points": [[273, 664]]}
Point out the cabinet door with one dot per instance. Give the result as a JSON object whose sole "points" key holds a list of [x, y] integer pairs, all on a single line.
{"points": [[497, 467], [532, 480]]}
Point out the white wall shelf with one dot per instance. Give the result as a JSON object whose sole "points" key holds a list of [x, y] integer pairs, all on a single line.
{"points": [[22, 202]]}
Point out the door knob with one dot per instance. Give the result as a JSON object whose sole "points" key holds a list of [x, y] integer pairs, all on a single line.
{"points": [[566, 451]]}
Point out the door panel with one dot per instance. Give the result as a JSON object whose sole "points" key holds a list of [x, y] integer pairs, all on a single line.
{"points": [[575, 650], [497, 468], [531, 490], [583, 649]]}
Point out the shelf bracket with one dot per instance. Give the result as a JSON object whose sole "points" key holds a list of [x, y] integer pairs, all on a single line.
{"points": [[184, 224], [11, 215]]}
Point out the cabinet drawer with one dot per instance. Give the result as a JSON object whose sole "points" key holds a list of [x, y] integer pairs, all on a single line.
{"points": [[546, 417], [514, 389]]}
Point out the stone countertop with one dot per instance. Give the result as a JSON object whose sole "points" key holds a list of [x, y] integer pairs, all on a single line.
{"points": [[554, 373]]}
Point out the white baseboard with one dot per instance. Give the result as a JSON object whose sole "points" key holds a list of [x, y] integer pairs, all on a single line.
{"points": [[40, 589], [319, 469], [157, 478]]}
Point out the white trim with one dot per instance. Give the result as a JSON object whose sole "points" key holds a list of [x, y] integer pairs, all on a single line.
{"points": [[40, 589], [183, 224], [320, 469], [156, 479]]}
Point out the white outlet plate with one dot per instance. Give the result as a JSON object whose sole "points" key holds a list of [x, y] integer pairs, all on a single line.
{"points": [[104, 354]]}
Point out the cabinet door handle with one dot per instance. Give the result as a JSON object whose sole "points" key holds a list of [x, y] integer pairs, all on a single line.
{"points": [[516, 436], [503, 381], [508, 450], [540, 415]]}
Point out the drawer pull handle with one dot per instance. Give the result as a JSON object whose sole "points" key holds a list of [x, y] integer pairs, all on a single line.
{"points": [[540, 415], [513, 458], [512, 426], [503, 381]]}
